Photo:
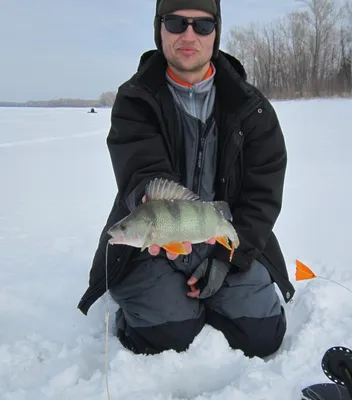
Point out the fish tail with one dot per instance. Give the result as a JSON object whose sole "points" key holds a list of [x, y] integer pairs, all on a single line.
{"points": [[235, 242], [233, 247], [223, 240]]}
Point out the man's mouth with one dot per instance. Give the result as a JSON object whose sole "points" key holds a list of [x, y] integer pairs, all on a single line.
{"points": [[187, 51]]}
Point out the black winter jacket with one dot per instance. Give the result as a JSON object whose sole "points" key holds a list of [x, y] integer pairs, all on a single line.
{"points": [[143, 144]]}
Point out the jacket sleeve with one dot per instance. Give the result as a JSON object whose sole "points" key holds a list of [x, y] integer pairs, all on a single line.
{"points": [[137, 148], [260, 199]]}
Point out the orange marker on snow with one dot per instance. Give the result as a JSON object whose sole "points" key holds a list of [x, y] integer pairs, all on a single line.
{"points": [[304, 273]]}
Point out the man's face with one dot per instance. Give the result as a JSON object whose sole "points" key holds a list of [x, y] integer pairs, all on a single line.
{"points": [[188, 51]]}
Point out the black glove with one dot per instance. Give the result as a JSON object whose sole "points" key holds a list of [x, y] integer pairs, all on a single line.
{"points": [[211, 274]]}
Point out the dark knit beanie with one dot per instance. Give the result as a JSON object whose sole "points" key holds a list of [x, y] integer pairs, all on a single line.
{"points": [[168, 6]]}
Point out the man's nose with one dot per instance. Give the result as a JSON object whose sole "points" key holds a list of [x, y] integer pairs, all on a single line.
{"points": [[189, 33]]}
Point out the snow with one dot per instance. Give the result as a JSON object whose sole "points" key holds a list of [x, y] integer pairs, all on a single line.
{"points": [[57, 188]]}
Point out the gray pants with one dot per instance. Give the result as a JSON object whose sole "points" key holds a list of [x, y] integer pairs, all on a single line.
{"points": [[156, 315]]}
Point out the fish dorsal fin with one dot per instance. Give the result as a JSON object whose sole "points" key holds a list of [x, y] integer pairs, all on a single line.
{"points": [[223, 208], [162, 189]]}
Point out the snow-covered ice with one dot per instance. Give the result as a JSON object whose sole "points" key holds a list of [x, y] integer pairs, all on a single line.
{"points": [[56, 190]]}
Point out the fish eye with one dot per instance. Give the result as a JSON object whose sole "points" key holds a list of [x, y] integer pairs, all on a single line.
{"points": [[123, 227]]}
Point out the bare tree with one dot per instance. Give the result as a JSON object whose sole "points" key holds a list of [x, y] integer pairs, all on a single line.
{"points": [[107, 99], [298, 49], [346, 44], [305, 54], [322, 19]]}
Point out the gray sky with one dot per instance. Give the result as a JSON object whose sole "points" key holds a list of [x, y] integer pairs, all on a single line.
{"points": [[80, 48]]}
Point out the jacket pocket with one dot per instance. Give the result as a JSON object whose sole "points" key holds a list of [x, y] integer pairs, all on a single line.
{"points": [[235, 181], [252, 121]]}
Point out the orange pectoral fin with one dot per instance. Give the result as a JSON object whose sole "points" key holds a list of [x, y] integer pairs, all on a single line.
{"points": [[303, 272], [175, 248]]}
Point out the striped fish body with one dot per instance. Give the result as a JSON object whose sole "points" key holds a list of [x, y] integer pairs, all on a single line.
{"points": [[173, 215], [186, 221]]}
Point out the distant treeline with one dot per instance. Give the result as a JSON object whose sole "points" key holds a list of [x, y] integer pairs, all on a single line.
{"points": [[306, 54], [105, 100]]}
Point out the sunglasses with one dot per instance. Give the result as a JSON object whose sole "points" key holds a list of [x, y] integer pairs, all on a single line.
{"points": [[177, 24]]}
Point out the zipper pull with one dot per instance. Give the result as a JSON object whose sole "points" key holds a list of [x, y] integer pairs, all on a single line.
{"points": [[200, 155]]}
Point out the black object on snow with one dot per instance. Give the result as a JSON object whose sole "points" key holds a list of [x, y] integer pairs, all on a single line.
{"points": [[325, 391], [92, 111], [337, 366]]}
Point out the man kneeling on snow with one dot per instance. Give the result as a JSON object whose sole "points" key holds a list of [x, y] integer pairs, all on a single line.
{"points": [[188, 115]]}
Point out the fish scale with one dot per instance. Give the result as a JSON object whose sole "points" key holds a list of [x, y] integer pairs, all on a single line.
{"points": [[186, 218]]}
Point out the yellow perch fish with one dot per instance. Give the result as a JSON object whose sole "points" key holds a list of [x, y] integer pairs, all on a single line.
{"points": [[171, 215]]}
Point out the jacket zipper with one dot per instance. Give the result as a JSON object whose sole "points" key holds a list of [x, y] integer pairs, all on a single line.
{"points": [[201, 140], [193, 101], [200, 153]]}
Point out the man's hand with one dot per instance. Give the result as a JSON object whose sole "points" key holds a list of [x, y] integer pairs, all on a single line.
{"points": [[154, 250], [213, 273]]}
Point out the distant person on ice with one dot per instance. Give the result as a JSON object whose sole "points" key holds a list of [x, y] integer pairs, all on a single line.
{"points": [[190, 116]]}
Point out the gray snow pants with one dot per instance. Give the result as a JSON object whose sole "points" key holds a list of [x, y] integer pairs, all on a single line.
{"points": [[156, 315]]}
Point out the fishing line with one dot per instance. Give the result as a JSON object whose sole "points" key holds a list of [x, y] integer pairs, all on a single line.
{"points": [[107, 317], [336, 283]]}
